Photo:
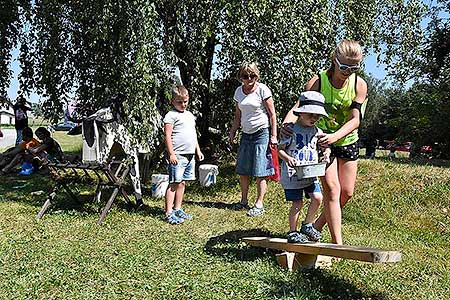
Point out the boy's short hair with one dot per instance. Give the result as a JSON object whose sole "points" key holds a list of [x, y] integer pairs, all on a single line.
{"points": [[179, 91], [27, 132], [42, 131]]}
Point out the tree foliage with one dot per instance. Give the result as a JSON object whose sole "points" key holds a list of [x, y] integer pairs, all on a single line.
{"points": [[418, 113], [96, 49]]}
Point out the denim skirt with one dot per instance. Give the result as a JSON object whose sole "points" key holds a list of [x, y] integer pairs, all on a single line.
{"points": [[253, 158]]}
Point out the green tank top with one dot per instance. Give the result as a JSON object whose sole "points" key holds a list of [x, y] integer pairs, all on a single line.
{"points": [[337, 105]]}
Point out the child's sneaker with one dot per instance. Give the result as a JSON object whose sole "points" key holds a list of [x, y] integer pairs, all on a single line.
{"points": [[255, 211], [172, 219], [297, 237], [180, 213], [313, 234]]}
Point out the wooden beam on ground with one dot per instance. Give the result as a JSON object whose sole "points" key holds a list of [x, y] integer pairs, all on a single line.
{"points": [[351, 252]]}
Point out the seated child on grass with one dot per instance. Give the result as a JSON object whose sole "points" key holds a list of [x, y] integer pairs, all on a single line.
{"points": [[181, 142], [302, 149], [48, 150], [12, 157]]}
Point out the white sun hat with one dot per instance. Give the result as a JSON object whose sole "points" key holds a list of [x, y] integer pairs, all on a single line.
{"points": [[311, 102]]}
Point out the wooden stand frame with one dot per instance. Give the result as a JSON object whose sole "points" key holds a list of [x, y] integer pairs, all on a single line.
{"points": [[109, 175]]}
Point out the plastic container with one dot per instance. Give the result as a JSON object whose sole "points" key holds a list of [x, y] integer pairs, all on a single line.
{"points": [[27, 169], [309, 171], [207, 174], [160, 183]]}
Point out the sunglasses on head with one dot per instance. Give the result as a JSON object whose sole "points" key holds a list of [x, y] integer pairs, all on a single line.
{"points": [[344, 67], [248, 76]]}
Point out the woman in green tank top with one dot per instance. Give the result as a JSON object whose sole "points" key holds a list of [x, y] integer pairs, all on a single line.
{"points": [[344, 93]]}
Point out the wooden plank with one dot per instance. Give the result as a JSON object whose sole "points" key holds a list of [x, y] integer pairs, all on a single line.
{"points": [[351, 252]]}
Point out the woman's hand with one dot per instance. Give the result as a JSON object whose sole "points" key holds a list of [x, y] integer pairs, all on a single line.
{"points": [[231, 138], [326, 139], [286, 130], [200, 156], [173, 159], [273, 140], [325, 158]]}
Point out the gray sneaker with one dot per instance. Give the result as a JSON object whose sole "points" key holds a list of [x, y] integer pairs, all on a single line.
{"points": [[313, 234], [297, 237], [255, 211]]}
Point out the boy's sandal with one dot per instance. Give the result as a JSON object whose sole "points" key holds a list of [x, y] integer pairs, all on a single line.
{"points": [[313, 234], [297, 237], [180, 213], [239, 206], [172, 219], [255, 211]]}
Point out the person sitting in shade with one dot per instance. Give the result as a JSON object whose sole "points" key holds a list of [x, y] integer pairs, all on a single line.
{"points": [[12, 157], [48, 150]]}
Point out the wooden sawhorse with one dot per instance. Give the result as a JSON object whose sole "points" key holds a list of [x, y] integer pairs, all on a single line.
{"points": [[111, 174], [306, 255]]}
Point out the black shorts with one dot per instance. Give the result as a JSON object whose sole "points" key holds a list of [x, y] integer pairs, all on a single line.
{"points": [[347, 152]]}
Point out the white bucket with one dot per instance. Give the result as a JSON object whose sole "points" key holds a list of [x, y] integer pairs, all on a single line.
{"points": [[309, 171], [207, 174], [160, 182]]}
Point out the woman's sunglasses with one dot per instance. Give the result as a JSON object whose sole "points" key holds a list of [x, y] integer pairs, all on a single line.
{"points": [[344, 67], [248, 76]]}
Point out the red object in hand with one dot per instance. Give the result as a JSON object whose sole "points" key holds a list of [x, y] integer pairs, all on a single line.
{"points": [[275, 164]]}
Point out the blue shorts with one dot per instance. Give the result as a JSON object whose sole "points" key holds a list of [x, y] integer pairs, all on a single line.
{"points": [[297, 194], [184, 170], [253, 158]]}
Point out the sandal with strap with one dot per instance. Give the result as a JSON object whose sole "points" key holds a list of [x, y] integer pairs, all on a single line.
{"points": [[297, 237], [180, 213], [172, 219], [313, 234]]}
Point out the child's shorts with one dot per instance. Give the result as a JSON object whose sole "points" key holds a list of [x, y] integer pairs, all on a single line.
{"points": [[184, 170], [297, 194]]}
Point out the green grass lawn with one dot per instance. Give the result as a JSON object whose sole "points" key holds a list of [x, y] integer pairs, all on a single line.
{"points": [[398, 205]]}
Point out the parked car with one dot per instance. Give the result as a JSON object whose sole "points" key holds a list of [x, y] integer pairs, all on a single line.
{"points": [[405, 147], [63, 126], [426, 149]]}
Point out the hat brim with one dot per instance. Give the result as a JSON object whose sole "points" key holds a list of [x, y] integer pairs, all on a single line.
{"points": [[313, 109]]}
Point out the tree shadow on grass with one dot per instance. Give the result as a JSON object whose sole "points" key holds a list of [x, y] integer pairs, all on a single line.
{"points": [[417, 161], [144, 210], [229, 246], [226, 180], [304, 284], [34, 190], [209, 204], [318, 283]]}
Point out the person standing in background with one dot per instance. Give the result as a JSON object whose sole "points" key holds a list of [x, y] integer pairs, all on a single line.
{"points": [[20, 117], [255, 114]]}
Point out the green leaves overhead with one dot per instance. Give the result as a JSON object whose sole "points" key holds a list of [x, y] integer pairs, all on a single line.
{"points": [[95, 49]]}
